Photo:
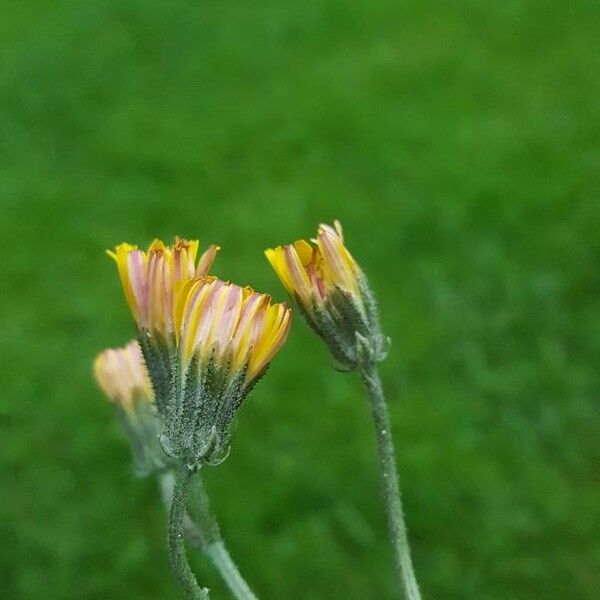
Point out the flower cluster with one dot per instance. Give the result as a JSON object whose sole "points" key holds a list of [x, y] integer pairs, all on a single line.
{"points": [[205, 342], [333, 294]]}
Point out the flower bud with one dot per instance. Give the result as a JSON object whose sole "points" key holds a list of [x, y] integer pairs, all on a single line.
{"points": [[122, 376], [333, 294]]}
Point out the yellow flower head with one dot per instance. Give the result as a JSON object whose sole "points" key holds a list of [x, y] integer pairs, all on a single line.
{"points": [[122, 376], [234, 327], [149, 278], [333, 294], [312, 273]]}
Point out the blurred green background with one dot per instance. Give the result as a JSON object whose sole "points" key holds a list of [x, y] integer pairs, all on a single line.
{"points": [[456, 143]]}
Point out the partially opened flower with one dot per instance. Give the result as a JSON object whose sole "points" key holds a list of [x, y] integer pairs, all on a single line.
{"points": [[333, 294], [149, 279], [121, 374], [226, 336], [222, 322]]}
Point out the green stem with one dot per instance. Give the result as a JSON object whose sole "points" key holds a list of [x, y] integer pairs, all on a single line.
{"points": [[229, 571], [390, 484], [206, 537], [214, 546], [179, 564], [190, 530]]}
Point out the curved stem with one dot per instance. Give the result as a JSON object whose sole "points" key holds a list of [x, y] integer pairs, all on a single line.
{"points": [[390, 484], [190, 530], [179, 563], [206, 537]]}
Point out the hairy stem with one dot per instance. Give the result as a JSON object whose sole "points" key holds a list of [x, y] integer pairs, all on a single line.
{"points": [[214, 545], [179, 564], [390, 484], [205, 536], [229, 571]]}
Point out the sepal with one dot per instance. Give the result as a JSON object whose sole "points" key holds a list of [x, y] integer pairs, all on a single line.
{"points": [[350, 328], [160, 358], [143, 428], [199, 416]]}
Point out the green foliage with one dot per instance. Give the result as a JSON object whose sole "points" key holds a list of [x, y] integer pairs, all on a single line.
{"points": [[455, 143]]}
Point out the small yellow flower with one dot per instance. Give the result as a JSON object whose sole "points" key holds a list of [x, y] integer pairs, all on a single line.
{"points": [[225, 337], [149, 278], [333, 294], [122, 376], [312, 273], [235, 327]]}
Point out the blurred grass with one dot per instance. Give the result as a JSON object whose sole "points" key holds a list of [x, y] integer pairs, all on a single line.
{"points": [[457, 143]]}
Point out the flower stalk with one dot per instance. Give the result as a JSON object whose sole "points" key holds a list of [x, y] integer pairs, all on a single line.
{"points": [[203, 533], [179, 563], [333, 294], [229, 571], [215, 547], [389, 482]]}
